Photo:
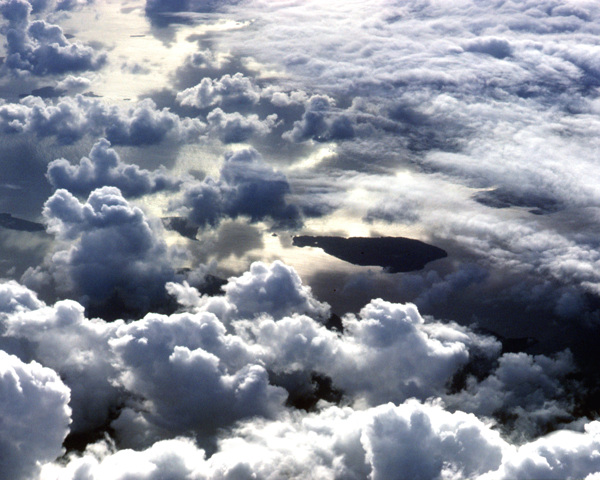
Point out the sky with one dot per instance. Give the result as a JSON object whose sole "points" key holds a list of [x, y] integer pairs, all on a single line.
{"points": [[159, 321]]}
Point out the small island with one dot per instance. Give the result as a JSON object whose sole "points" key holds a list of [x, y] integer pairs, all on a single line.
{"points": [[14, 223], [394, 254]]}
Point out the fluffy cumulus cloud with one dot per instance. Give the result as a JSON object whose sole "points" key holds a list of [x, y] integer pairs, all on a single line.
{"points": [[388, 353], [109, 254], [229, 90], [247, 186], [275, 290], [470, 125], [35, 416], [42, 48], [338, 443], [231, 361], [411, 440], [184, 369], [70, 118], [527, 392], [321, 122], [61, 338], [236, 128], [105, 168]]}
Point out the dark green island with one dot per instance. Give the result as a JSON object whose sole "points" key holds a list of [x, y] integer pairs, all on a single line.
{"points": [[394, 254]]}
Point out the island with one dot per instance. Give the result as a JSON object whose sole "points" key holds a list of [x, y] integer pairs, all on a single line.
{"points": [[394, 254], [13, 223]]}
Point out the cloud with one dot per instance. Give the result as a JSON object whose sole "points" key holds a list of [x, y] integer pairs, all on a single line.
{"points": [[72, 83], [526, 393], [183, 368], [229, 360], [157, 7], [108, 253], [564, 454], [71, 118], [247, 186], [420, 440], [496, 47], [42, 48], [468, 124], [61, 338], [376, 359], [35, 416], [14, 297], [411, 440], [229, 90], [104, 168], [236, 128], [321, 122], [274, 289]]}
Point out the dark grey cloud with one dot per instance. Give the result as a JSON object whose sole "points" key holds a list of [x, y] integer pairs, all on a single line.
{"points": [[190, 385], [104, 167], [42, 48], [525, 393], [496, 47], [247, 187]]}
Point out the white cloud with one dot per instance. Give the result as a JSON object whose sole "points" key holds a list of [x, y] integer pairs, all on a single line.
{"points": [[35, 417], [108, 254], [236, 128], [61, 338], [423, 441], [230, 90], [42, 48], [105, 168], [71, 118]]}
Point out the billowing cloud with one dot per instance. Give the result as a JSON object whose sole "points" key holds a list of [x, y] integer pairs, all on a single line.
{"points": [[110, 254], [275, 290], [61, 338], [236, 128], [527, 391], [42, 48], [105, 168], [184, 370], [321, 122], [194, 373], [229, 90], [411, 440], [247, 186], [468, 125], [35, 416], [71, 118]]}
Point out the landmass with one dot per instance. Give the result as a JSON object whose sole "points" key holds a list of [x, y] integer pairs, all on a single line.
{"points": [[394, 254], [13, 223]]}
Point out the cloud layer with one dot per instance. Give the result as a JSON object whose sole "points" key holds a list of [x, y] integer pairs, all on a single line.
{"points": [[128, 350]]}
